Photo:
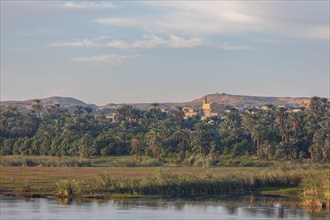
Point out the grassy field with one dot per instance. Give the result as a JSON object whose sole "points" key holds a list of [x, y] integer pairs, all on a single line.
{"points": [[43, 179], [126, 161], [310, 182]]}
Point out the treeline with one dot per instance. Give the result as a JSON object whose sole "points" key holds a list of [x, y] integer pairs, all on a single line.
{"points": [[269, 134]]}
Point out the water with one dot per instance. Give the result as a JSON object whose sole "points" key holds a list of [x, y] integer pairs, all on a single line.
{"points": [[246, 207]]}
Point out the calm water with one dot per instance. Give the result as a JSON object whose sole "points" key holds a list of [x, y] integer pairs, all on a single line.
{"points": [[247, 207]]}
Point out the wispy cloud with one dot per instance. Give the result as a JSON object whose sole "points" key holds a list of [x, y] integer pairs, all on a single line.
{"points": [[101, 59], [205, 19], [149, 42], [178, 42], [193, 18], [229, 46], [75, 43], [318, 32], [122, 22], [119, 44], [86, 5], [155, 41]]}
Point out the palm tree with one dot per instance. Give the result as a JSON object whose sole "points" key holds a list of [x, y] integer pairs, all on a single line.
{"points": [[281, 115], [154, 142], [320, 149], [136, 146], [296, 122], [183, 138], [281, 118], [256, 135], [179, 115], [37, 107], [232, 117], [101, 118], [79, 110], [205, 138]]}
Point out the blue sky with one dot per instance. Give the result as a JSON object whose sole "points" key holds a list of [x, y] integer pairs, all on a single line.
{"points": [[152, 51]]}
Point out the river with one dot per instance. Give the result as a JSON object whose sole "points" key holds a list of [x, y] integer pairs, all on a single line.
{"points": [[226, 207]]}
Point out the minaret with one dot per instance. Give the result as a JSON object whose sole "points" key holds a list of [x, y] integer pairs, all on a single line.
{"points": [[205, 100]]}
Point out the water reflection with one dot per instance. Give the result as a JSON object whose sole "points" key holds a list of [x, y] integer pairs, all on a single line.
{"points": [[246, 207]]}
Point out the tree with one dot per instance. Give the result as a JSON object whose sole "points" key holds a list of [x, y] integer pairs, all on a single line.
{"points": [[183, 137], [179, 115], [136, 147], [37, 107], [232, 117], [320, 149], [205, 139], [154, 142]]}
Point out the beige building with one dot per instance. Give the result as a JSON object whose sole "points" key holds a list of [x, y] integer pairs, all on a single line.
{"points": [[190, 112], [211, 109]]}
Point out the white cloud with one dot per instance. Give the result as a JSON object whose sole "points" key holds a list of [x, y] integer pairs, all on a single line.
{"points": [[178, 42], [154, 41], [214, 18], [101, 59], [86, 5], [194, 18], [75, 43], [118, 44], [149, 42]]}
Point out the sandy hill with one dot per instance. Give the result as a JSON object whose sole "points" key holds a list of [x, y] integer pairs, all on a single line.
{"points": [[242, 100], [65, 102], [223, 98]]}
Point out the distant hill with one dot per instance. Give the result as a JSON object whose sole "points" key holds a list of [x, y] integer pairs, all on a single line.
{"points": [[223, 98], [65, 102], [242, 100]]}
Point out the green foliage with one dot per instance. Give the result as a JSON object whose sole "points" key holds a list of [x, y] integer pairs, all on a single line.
{"points": [[169, 184], [275, 133]]}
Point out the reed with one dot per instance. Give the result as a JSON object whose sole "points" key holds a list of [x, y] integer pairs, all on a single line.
{"points": [[169, 184], [69, 188], [44, 161], [316, 190]]}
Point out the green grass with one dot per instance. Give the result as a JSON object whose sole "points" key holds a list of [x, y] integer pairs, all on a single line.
{"points": [[145, 161], [113, 176], [44, 161], [124, 161], [316, 190], [287, 192], [170, 184]]}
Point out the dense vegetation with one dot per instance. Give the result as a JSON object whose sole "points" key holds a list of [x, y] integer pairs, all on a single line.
{"points": [[269, 134], [307, 182]]}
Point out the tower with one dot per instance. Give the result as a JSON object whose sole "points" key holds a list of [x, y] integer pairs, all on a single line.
{"points": [[205, 100]]}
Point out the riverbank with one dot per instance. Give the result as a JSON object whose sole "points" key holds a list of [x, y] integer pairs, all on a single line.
{"points": [[124, 182]]}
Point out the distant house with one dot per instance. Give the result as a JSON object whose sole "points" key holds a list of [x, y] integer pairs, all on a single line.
{"points": [[211, 109], [165, 110], [190, 112], [294, 110]]}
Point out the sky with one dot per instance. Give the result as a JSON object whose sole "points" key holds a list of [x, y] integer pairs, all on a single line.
{"points": [[163, 51]]}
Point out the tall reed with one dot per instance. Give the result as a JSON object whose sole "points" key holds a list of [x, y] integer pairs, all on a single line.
{"points": [[316, 190]]}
